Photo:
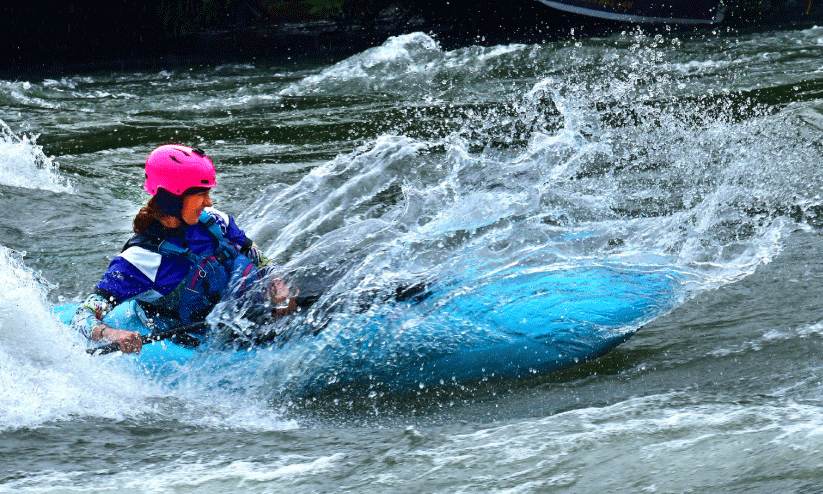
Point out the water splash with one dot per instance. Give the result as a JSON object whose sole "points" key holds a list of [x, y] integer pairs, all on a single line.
{"points": [[709, 180], [584, 154], [23, 164], [414, 65], [45, 376], [608, 158]]}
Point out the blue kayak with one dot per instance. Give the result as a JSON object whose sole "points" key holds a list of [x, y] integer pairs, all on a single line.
{"points": [[508, 324], [159, 358]]}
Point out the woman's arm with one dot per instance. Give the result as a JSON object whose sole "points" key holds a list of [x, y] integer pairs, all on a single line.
{"points": [[279, 292], [90, 315], [88, 322]]}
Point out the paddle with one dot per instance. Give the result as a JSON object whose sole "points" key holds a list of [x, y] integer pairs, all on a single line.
{"points": [[150, 338]]}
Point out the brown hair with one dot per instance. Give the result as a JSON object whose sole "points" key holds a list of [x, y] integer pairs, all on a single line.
{"points": [[146, 216]]}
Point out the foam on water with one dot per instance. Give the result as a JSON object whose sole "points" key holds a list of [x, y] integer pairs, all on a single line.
{"points": [[46, 376], [658, 443], [286, 470], [411, 65], [401, 61], [29, 94]]}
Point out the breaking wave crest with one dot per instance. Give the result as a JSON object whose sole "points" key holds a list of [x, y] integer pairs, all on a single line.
{"points": [[23, 164]]}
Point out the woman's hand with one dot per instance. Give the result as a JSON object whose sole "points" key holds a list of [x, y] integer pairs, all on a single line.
{"points": [[279, 294], [129, 341]]}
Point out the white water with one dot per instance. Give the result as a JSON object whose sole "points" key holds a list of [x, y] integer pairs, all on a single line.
{"points": [[451, 206], [23, 164], [45, 374], [46, 377]]}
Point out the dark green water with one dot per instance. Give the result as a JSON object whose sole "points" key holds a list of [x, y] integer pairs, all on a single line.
{"points": [[408, 159]]}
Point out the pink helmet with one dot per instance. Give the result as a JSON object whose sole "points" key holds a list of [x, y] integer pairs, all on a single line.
{"points": [[177, 168]]}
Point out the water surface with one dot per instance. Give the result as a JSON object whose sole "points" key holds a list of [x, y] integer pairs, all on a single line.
{"points": [[408, 161]]}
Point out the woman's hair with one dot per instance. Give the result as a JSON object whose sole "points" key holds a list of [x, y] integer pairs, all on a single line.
{"points": [[147, 215], [162, 204]]}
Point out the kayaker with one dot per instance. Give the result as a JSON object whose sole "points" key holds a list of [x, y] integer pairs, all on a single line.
{"points": [[185, 255]]}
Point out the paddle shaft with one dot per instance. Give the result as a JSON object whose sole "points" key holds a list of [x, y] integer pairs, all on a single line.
{"points": [[148, 339]]}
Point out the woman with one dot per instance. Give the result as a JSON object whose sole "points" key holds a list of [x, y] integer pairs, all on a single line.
{"points": [[185, 255]]}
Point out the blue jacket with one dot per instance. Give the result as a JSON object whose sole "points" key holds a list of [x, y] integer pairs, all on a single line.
{"points": [[146, 275]]}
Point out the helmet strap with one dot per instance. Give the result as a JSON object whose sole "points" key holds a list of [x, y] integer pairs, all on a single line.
{"points": [[169, 203]]}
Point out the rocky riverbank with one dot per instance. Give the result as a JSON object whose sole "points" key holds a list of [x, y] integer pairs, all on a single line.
{"points": [[58, 37], [50, 38]]}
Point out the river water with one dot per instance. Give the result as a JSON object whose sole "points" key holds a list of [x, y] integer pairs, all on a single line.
{"points": [[410, 160]]}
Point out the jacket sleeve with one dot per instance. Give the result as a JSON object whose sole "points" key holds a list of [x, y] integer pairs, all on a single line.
{"points": [[90, 314], [120, 282]]}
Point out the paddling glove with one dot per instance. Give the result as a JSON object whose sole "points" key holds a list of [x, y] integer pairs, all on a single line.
{"points": [[255, 255]]}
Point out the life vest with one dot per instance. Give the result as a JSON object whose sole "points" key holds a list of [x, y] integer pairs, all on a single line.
{"points": [[215, 273]]}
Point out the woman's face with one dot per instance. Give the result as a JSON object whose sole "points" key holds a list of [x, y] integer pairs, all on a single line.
{"points": [[193, 205]]}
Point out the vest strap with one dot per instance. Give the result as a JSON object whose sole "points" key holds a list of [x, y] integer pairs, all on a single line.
{"points": [[210, 273]]}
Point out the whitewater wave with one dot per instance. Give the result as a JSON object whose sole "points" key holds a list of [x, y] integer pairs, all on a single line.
{"points": [[23, 164], [46, 376], [413, 64]]}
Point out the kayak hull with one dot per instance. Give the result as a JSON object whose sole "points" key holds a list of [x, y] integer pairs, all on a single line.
{"points": [[508, 324], [159, 358], [512, 324]]}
